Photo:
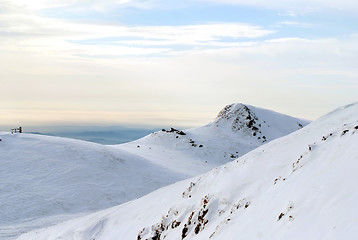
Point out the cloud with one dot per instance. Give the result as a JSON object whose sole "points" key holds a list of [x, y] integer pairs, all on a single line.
{"points": [[295, 24], [35, 4], [80, 5], [292, 6], [109, 70], [307, 5], [26, 32], [312, 75]]}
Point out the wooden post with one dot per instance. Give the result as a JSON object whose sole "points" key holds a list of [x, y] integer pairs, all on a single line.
{"points": [[14, 130]]}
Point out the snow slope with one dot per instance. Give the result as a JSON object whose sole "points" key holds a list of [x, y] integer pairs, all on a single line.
{"points": [[44, 180], [237, 129], [302, 186]]}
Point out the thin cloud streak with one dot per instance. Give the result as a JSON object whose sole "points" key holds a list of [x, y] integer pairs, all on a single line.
{"points": [[294, 6], [34, 34], [300, 5]]}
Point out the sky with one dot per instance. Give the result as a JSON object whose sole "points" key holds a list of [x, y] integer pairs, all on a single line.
{"points": [[156, 62]]}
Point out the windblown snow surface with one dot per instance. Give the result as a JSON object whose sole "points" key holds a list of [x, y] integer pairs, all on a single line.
{"points": [[46, 180], [301, 186]]}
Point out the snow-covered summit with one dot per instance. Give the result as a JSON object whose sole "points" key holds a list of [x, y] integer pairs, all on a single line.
{"points": [[262, 124], [301, 186], [238, 116], [238, 129]]}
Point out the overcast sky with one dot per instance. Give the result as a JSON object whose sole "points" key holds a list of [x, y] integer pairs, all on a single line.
{"points": [[165, 62]]}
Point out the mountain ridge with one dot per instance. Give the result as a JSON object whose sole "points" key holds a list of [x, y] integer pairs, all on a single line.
{"points": [[299, 186], [57, 178], [237, 129]]}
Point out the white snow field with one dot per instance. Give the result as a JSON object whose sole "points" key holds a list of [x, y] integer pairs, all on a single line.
{"points": [[301, 186], [46, 180]]}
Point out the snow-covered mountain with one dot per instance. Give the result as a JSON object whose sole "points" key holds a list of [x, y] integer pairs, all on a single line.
{"points": [[301, 186], [45, 180], [237, 129]]}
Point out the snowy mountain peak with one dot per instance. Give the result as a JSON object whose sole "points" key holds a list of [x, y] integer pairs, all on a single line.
{"points": [[261, 124], [238, 129], [239, 116]]}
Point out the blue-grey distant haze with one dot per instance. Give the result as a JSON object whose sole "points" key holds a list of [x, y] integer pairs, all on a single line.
{"points": [[102, 135]]}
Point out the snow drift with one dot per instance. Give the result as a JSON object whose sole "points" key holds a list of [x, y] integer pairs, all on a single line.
{"points": [[302, 186]]}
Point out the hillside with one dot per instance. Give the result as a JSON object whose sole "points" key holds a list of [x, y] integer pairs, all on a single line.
{"points": [[302, 186], [237, 129], [45, 180]]}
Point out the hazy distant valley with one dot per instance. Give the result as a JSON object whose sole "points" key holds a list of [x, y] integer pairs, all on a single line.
{"points": [[98, 134]]}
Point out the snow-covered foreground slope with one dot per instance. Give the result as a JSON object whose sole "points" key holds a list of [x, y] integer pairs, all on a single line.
{"points": [[44, 180], [237, 129], [302, 186]]}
